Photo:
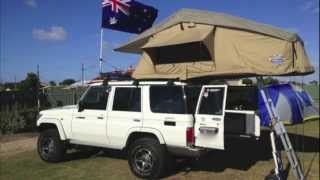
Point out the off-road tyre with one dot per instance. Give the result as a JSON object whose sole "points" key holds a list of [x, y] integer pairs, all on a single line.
{"points": [[50, 147], [152, 154]]}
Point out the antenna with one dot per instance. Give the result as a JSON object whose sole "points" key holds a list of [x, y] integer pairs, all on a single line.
{"points": [[15, 82], [38, 88], [82, 74], [38, 72]]}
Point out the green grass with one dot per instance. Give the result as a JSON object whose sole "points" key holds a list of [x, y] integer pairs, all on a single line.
{"points": [[28, 165], [246, 160], [313, 90]]}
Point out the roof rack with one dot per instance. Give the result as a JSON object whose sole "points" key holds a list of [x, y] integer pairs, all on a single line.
{"points": [[137, 82]]}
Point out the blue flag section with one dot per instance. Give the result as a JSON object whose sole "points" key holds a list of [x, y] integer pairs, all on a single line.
{"points": [[127, 15]]}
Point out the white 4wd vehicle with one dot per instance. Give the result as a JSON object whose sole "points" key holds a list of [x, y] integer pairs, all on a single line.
{"points": [[151, 120]]}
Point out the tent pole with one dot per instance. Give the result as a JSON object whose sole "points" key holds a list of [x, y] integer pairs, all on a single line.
{"points": [[101, 51]]}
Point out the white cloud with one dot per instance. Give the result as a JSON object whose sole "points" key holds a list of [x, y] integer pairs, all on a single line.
{"points": [[54, 33], [31, 3]]}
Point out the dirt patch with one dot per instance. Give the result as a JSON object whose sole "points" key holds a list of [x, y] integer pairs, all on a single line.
{"points": [[16, 137], [14, 144]]}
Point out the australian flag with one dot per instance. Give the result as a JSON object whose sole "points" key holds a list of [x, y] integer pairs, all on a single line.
{"points": [[127, 15]]}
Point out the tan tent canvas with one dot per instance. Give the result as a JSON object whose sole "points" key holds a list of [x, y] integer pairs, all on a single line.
{"points": [[195, 44]]}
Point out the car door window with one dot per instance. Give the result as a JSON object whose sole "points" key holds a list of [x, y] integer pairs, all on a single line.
{"points": [[96, 98], [127, 99], [192, 94], [167, 99], [212, 101]]}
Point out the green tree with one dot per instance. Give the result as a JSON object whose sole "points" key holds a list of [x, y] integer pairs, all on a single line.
{"points": [[52, 83], [270, 81], [247, 81], [9, 85], [314, 82], [67, 82], [31, 83]]}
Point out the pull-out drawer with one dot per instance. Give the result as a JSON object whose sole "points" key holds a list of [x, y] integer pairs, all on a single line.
{"points": [[242, 122]]}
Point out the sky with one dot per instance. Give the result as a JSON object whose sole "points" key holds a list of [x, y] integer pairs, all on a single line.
{"points": [[60, 35]]}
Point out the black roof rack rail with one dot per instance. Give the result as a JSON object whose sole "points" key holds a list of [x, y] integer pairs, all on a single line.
{"points": [[171, 81], [135, 82]]}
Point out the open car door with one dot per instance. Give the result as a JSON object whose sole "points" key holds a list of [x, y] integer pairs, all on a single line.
{"points": [[209, 117]]}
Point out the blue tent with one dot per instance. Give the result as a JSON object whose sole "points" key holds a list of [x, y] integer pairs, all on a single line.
{"points": [[292, 104]]}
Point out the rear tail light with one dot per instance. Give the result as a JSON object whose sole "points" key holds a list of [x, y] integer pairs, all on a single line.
{"points": [[190, 136]]}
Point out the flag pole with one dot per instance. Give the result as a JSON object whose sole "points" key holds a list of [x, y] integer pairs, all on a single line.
{"points": [[101, 49]]}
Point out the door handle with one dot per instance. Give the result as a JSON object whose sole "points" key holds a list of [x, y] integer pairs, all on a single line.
{"points": [[216, 119], [170, 123], [208, 130], [136, 120], [100, 117], [80, 117]]}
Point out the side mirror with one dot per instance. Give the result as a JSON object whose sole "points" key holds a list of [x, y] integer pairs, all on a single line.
{"points": [[80, 106]]}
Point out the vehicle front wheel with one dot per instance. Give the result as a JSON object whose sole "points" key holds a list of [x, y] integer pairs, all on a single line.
{"points": [[50, 147], [147, 158]]}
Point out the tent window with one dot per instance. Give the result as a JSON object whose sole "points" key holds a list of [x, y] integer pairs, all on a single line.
{"points": [[188, 52]]}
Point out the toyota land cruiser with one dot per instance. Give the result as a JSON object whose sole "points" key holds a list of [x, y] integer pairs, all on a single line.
{"points": [[151, 120]]}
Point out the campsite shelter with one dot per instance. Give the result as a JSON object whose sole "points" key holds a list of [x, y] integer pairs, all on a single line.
{"points": [[194, 44]]}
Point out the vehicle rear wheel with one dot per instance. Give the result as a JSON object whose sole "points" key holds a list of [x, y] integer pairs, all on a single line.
{"points": [[50, 147], [147, 158]]}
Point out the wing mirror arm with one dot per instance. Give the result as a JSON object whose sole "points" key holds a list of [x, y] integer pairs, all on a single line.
{"points": [[80, 106]]}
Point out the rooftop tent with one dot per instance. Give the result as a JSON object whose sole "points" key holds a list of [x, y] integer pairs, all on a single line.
{"points": [[194, 44]]}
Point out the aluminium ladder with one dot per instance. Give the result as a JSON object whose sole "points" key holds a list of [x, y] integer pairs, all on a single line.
{"points": [[279, 129]]}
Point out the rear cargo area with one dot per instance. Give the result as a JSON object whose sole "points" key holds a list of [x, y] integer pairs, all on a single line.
{"points": [[241, 109]]}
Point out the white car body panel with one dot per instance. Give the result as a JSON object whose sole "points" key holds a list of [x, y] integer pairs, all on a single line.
{"points": [[90, 126], [209, 129], [111, 129], [120, 122], [173, 135], [61, 117], [56, 122]]}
